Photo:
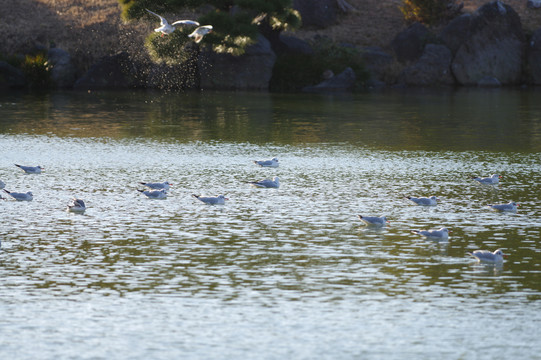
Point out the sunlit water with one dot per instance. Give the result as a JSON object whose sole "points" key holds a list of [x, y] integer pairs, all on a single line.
{"points": [[286, 273]]}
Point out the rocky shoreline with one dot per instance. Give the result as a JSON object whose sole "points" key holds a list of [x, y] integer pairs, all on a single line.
{"points": [[486, 48]]}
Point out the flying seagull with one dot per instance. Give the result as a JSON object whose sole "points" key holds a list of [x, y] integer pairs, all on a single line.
{"points": [[167, 28]]}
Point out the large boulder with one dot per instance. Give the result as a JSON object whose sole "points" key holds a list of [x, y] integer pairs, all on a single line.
{"points": [[343, 82], [408, 45], [534, 58], [377, 62], [494, 47], [318, 14], [63, 72], [250, 71], [111, 72], [456, 32], [433, 68]]}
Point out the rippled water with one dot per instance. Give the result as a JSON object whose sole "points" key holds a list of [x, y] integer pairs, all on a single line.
{"points": [[275, 273]]}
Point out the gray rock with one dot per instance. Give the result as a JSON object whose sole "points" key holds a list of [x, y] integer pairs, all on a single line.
{"points": [[456, 32], [534, 58], [489, 81], [111, 72], [408, 45], [494, 47], [433, 68], [345, 81], [318, 14], [11, 77], [250, 71], [293, 45], [533, 4], [63, 72], [377, 62]]}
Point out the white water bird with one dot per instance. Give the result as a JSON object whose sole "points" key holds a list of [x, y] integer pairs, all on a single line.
{"points": [[27, 196], [154, 194], [157, 186], [487, 256], [511, 206], [167, 28], [266, 183], [440, 234], [2, 184], [426, 201], [375, 221], [199, 32], [76, 205], [31, 169], [211, 200], [268, 163], [491, 180]]}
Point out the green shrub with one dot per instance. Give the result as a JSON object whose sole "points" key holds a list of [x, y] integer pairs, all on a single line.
{"points": [[36, 71]]}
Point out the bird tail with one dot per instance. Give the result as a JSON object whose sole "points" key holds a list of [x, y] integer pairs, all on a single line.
{"points": [[7, 191], [141, 190], [17, 165], [196, 196]]}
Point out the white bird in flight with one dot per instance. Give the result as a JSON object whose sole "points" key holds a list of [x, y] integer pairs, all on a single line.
{"points": [[199, 32], [441, 234], [491, 180], [511, 206], [427, 201], [211, 200], [167, 28], [268, 163], [157, 186], [154, 194], [30, 169], [20, 196], [376, 221], [76, 206], [266, 183], [487, 256]]}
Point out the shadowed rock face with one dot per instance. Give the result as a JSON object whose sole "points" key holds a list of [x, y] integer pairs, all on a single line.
{"points": [[494, 46], [433, 68], [251, 71]]}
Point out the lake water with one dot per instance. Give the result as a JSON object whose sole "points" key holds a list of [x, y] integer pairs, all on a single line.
{"points": [[286, 273]]}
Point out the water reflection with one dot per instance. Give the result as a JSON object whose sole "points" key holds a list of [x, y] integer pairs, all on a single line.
{"points": [[494, 120]]}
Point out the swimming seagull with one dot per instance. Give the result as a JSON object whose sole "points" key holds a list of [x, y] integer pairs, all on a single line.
{"points": [[266, 183], [267, 163], [374, 220], [157, 186], [491, 180], [154, 194], [31, 169], [20, 196], [76, 205], [211, 200], [200, 32], [424, 200], [167, 29], [511, 206], [441, 234], [487, 256]]}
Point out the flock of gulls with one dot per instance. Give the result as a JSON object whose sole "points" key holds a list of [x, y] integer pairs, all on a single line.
{"points": [[166, 28], [158, 190], [485, 256]]}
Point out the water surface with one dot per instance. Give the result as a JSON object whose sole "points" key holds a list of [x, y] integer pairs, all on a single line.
{"points": [[275, 273]]}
